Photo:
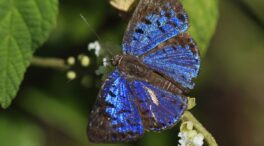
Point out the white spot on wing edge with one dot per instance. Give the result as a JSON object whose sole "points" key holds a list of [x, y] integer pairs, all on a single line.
{"points": [[154, 99], [153, 114], [152, 95]]}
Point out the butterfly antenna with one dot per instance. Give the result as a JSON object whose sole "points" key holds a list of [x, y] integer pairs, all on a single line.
{"points": [[108, 51], [89, 25], [94, 32]]}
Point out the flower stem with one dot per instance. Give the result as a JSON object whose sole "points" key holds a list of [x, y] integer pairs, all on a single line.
{"points": [[187, 116], [53, 63]]}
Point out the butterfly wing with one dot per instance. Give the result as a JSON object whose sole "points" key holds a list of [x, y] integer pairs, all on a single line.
{"points": [[153, 22], [115, 117], [177, 58], [159, 109]]}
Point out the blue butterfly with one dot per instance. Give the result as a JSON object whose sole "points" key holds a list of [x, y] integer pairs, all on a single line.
{"points": [[147, 90]]}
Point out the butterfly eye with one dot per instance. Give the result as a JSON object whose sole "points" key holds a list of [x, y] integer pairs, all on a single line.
{"points": [[115, 60]]}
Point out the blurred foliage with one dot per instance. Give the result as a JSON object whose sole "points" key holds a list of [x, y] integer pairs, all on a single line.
{"points": [[51, 111], [70, 121], [256, 8], [24, 26], [232, 78], [17, 131]]}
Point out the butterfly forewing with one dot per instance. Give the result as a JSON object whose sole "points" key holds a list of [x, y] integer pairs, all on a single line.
{"points": [[153, 22]]}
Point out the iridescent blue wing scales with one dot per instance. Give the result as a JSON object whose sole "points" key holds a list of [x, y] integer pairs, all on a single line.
{"points": [[159, 109], [124, 109], [177, 58], [153, 22], [115, 117]]}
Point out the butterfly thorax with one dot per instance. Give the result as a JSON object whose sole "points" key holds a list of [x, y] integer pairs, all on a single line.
{"points": [[135, 70], [131, 66]]}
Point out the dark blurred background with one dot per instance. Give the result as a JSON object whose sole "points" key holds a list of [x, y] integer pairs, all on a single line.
{"points": [[50, 110]]}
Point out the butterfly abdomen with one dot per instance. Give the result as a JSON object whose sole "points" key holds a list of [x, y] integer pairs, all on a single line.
{"points": [[159, 81]]}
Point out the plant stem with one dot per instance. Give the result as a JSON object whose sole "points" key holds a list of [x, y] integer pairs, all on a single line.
{"points": [[187, 116], [53, 63]]}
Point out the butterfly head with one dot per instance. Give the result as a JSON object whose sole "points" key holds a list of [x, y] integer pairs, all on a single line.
{"points": [[115, 61]]}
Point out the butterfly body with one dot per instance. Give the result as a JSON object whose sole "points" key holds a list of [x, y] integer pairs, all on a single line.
{"points": [[134, 69], [131, 66], [147, 90]]}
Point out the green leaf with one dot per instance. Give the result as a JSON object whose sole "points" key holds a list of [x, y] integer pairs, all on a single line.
{"points": [[24, 26], [203, 16]]}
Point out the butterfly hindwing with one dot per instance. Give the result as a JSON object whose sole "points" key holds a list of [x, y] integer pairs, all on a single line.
{"points": [[159, 109], [115, 117], [153, 22], [177, 58]]}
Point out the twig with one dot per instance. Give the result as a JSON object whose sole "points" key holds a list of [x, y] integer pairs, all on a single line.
{"points": [[53, 63], [187, 116]]}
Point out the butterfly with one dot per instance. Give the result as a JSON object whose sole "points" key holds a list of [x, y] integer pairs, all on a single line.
{"points": [[147, 90]]}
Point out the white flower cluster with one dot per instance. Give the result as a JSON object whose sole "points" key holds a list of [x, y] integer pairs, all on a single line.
{"points": [[95, 46], [189, 136]]}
